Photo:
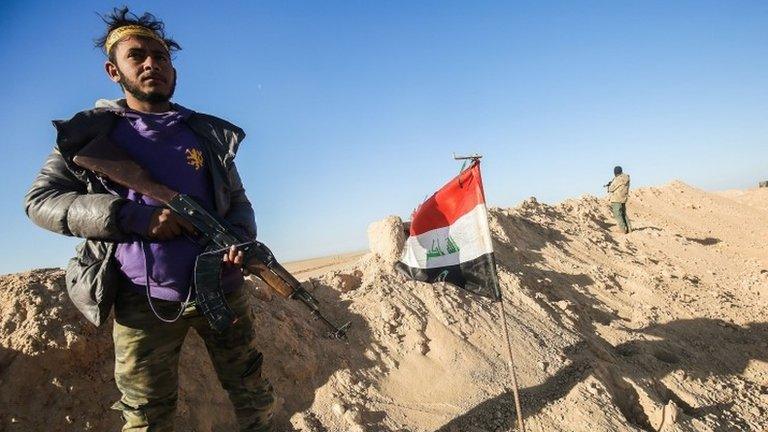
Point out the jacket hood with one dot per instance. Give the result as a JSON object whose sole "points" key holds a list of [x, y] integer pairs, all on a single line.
{"points": [[120, 105], [226, 135], [111, 104]]}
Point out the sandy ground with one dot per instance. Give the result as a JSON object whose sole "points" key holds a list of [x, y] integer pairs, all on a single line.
{"points": [[314, 267], [665, 328]]}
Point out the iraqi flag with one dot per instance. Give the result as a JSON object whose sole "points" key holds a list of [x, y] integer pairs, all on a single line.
{"points": [[450, 240]]}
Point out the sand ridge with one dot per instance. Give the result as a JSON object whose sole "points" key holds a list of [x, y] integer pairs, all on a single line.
{"points": [[665, 328]]}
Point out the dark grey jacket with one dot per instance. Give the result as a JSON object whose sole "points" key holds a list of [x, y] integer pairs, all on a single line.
{"points": [[69, 200]]}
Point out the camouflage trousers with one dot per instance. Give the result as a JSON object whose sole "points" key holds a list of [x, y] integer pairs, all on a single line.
{"points": [[620, 213], [147, 358]]}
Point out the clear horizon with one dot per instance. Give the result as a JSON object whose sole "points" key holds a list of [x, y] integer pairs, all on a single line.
{"points": [[352, 110]]}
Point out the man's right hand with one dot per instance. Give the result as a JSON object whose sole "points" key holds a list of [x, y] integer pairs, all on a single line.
{"points": [[165, 225]]}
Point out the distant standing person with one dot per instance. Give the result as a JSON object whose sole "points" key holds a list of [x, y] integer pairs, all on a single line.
{"points": [[618, 190]]}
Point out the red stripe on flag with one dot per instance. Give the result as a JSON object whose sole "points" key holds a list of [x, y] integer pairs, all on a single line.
{"points": [[452, 201]]}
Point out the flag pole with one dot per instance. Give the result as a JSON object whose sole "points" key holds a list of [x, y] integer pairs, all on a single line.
{"points": [[510, 363], [511, 366]]}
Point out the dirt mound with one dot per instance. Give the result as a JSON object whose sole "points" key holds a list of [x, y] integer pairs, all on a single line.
{"points": [[661, 329], [757, 198], [51, 360]]}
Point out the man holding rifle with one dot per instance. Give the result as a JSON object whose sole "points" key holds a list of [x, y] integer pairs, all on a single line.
{"points": [[140, 256], [618, 190]]}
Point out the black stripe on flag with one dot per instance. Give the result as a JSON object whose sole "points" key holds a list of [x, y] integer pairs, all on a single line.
{"points": [[477, 276]]}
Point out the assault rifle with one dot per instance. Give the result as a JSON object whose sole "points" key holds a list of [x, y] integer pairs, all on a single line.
{"points": [[105, 159]]}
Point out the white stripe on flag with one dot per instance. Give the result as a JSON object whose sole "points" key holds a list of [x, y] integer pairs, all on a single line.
{"points": [[470, 233]]}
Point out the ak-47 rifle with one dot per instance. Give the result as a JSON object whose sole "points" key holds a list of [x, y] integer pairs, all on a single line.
{"points": [[106, 159]]}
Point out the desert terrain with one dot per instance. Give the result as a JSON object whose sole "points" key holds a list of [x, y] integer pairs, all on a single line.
{"points": [[662, 329]]}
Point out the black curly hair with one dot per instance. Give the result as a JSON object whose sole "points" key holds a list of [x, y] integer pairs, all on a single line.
{"points": [[121, 17]]}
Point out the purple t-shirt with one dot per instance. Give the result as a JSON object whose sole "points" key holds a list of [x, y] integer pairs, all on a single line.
{"points": [[166, 147]]}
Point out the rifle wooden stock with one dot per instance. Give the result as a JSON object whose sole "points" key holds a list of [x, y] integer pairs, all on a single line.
{"points": [[109, 160], [260, 270]]}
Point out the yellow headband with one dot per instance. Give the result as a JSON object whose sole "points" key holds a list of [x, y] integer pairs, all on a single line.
{"points": [[131, 30]]}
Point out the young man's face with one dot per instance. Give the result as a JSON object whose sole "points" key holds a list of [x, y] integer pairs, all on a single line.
{"points": [[144, 69]]}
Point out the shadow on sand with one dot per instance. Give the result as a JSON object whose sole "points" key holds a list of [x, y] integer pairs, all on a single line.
{"points": [[300, 374], [709, 241]]}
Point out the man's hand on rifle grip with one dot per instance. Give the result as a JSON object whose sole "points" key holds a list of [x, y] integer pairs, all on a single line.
{"points": [[165, 225], [234, 257]]}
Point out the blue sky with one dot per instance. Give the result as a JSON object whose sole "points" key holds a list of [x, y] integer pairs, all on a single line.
{"points": [[352, 109]]}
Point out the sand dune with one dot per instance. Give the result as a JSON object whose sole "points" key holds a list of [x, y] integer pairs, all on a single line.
{"points": [[665, 328]]}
